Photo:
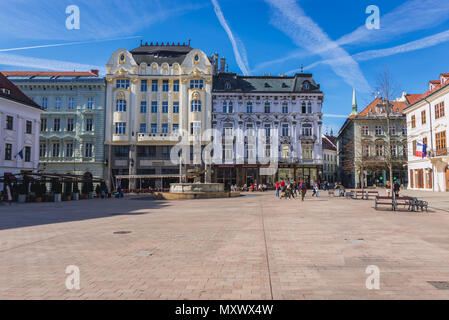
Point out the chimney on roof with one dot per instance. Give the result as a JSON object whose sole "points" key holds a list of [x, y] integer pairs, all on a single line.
{"points": [[95, 72], [222, 65]]}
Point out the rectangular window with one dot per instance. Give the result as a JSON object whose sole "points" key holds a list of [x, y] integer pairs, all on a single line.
{"points": [[69, 150], [414, 147], [70, 124], [164, 106], [71, 103], [90, 103], [29, 127], [56, 124], [154, 85], [176, 107], [122, 83], [43, 124], [165, 86], [44, 103], [285, 131], [379, 130], [121, 151], [58, 103], [120, 106], [143, 128], [120, 128], [154, 128], [379, 150], [423, 117], [9, 123], [165, 128], [249, 107], [175, 128], [55, 151], [196, 84], [393, 129], [413, 121], [196, 106], [404, 130], [267, 130], [144, 85], [176, 86], [439, 110], [27, 154], [440, 139], [143, 107], [89, 124], [267, 107], [42, 150], [153, 106], [88, 150], [8, 151], [284, 108], [307, 151], [365, 130]]}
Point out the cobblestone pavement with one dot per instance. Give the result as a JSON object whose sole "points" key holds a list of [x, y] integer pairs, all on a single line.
{"points": [[252, 247]]}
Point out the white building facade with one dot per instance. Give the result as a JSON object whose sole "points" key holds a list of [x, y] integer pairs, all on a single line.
{"points": [[428, 124], [267, 129], [72, 125], [330, 158], [157, 95], [19, 130]]}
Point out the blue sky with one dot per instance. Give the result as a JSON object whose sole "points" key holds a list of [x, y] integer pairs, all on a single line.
{"points": [[256, 36]]}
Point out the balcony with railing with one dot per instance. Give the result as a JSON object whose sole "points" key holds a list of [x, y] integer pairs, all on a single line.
{"points": [[169, 137]]}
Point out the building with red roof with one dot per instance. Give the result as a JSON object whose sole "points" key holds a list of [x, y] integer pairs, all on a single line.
{"points": [[362, 144]]}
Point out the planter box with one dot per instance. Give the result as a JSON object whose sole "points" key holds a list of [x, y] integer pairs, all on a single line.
{"points": [[22, 198], [75, 196], [91, 195], [58, 197]]}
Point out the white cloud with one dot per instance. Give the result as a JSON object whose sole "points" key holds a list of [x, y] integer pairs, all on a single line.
{"points": [[374, 54], [237, 45], [291, 19], [411, 16]]}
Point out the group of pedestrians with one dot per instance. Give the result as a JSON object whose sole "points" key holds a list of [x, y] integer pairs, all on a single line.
{"points": [[290, 190]]}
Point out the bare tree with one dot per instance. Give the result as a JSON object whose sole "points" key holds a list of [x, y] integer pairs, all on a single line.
{"points": [[386, 89]]}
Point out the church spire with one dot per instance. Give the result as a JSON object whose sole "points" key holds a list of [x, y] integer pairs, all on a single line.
{"points": [[354, 104]]}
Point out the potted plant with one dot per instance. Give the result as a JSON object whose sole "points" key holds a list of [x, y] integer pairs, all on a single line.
{"points": [[76, 192], [87, 190], [57, 190], [23, 191]]}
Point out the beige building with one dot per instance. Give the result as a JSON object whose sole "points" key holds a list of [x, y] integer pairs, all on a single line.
{"points": [[157, 95]]}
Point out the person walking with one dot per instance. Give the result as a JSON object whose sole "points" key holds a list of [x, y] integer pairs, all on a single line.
{"points": [[8, 194], [277, 189], [303, 189], [316, 189]]}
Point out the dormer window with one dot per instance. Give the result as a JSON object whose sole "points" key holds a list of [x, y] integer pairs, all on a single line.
{"points": [[284, 85], [5, 91], [228, 85], [267, 85], [197, 58], [122, 58], [306, 85]]}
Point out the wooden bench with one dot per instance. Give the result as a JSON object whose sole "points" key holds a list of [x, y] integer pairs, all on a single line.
{"points": [[395, 203], [371, 193]]}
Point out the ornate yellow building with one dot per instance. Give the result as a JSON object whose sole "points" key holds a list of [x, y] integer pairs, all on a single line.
{"points": [[157, 94]]}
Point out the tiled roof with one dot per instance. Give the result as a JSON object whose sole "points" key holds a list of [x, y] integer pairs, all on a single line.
{"points": [[11, 92], [438, 85], [398, 106], [54, 74], [412, 98], [329, 143], [231, 82]]}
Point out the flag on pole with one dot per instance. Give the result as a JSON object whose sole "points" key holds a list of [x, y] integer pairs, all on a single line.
{"points": [[421, 150], [20, 154]]}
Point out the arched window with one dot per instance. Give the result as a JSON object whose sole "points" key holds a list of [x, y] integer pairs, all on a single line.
{"points": [[120, 105], [196, 106]]}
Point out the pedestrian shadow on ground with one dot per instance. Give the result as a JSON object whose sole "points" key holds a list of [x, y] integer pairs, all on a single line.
{"points": [[35, 214]]}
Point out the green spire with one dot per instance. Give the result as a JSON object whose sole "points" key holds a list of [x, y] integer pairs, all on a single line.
{"points": [[354, 104]]}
